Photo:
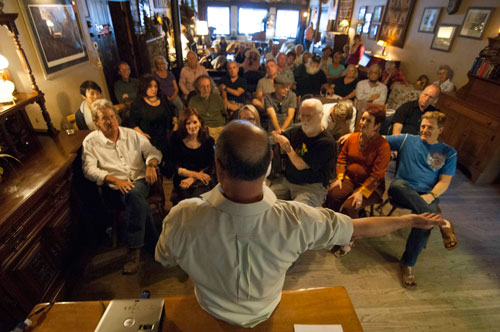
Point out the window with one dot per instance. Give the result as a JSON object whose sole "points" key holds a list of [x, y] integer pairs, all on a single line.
{"points": [[218, 17], [250, 20], [286, 23]]}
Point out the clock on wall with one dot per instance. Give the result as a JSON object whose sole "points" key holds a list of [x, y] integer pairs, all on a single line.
{"points": [[453, 6]]}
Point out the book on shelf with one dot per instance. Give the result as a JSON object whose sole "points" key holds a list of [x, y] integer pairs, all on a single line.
{"points": [[485, 68]]}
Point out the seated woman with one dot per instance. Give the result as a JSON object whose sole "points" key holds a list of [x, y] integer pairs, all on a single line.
{"points": [[340, 119], [361, 167], [167, 84], [249, 113], [445, 75], [326, 59], [392, 75], [151, 116], [192, 157], [335, 69], [345, 87]]}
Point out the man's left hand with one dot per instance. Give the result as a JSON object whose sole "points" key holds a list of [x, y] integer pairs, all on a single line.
{"points": [[151, 175], [427, 220], [357, 200], [283, 142], [428, 198]]}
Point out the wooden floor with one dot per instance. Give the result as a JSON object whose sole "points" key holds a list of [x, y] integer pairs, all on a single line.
{"points": [[457, 290]]}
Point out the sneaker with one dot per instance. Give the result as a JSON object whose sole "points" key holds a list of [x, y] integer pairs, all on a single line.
{"points": [[133, 261]]}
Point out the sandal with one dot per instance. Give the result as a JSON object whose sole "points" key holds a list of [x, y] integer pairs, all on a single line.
{"points": [[449, 238], [407, 277]]}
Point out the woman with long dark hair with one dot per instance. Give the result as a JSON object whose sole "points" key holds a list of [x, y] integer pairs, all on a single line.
{"points": [[192, 157]]}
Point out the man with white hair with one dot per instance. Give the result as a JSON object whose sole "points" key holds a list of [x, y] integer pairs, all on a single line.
{"points": [[310, 151], [126, 163], [310, 79]]}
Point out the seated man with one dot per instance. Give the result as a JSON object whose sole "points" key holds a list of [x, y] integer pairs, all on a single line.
{"points": [[238, 240], [210, 105], [126, 87], [407, 118], [191, 70], [90, 92], [273, 53], [233, 88], [265, 85], [310, 79], [372, 90], [283, 70], [126, 162], [426, 167], [280, 106], [310, 150]]}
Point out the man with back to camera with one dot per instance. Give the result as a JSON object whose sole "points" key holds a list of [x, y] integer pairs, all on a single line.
{"points": [[237, 241], [425, 169]]}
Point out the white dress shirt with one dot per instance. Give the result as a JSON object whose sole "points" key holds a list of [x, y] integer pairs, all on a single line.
{"points": [[364, 91], [188, 76], [126, 159], [446, 86], [237, 254]]}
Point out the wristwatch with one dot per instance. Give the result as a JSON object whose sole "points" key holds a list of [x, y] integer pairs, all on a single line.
{"points": [[434, 195]]}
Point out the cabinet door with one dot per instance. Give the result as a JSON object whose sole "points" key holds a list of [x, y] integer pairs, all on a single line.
{"points": [[475, 148], [453, 129]]}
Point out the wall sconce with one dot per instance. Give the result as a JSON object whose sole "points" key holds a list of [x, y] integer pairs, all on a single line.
{"points": [[344, 24], [6, 87], [383, 44]]}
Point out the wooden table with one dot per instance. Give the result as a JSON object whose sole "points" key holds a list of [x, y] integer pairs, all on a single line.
{"points": [[330, 305]]}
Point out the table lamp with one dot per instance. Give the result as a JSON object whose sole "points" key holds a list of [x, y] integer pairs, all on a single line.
{"points": [[202, 30], [6, 87], [383, 44], [344, 24]]}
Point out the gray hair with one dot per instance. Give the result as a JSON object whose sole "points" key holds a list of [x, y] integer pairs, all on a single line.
{"points": [[254, 112], [344, 110], [449, 71], [314, 103], [377, 66], [159, 57], [99, 106], [197, 81]]}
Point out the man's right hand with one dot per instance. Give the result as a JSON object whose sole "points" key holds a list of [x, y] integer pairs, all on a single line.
{"points": [[283, 142], [427, 220], [337, 183], [124, 185]]}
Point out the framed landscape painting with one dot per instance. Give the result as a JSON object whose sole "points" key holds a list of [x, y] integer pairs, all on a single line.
{"points": [[429, 19], [475, 22], [443, 38]]}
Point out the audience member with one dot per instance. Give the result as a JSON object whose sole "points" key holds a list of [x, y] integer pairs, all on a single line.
{"points": [[299, 52], [249, 113], [282, 66], [372, 90], [280, 105], [232, 88], [90, 92], [426, 167], [355, 52], [407, 118], [151, 116], [265, 85], [189, 73], [308, 36], [345, 87], [326, 59], [340, 120], [310, 79], [335, 69], [239, 57], [215, 235], [306, 57], [210, 105], [273, 54], [345, 54], [310, 150], [445, 75], [361, 167], [223, 45], [126, 163], [290, 60], [168, 85], [126, 87], [192, 157], [392, 75], [252, 62]]}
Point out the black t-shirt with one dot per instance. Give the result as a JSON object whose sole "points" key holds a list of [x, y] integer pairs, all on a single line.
{"points": [[307, 83], [317, 152], [342, 89], [241, 82], [410, 116]]}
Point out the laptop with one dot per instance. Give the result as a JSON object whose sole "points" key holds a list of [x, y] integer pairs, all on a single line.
{"points": [[138, 315]]}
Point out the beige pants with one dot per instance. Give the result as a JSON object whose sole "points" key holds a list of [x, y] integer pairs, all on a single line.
{"points": [[215, 132]]}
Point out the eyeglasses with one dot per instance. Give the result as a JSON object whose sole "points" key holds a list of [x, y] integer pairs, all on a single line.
{"points": [[108, 118]]}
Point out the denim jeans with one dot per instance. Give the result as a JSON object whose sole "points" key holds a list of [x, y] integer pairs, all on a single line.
{"points": [[403, 195]]}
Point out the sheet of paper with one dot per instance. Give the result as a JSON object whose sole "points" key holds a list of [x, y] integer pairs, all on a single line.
{"points": [[317, 328]]}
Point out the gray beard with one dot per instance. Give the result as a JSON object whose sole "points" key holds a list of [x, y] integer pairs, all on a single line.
{"points": [[311, 70], [310, 129]]}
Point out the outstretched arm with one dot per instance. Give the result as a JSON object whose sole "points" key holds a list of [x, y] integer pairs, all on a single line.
{"points": [[378, 226]]}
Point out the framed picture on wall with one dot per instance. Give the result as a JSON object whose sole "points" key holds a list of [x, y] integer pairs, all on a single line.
{"points": [[361, 13], [359, 28], [377, 14], [368, 21], [444, 36], [429, 19], [55, 30], [373, 31], [397, 14], [475, 22]]}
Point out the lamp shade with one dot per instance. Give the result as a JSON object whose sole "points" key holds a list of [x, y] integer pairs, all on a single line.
{"points": [[201, 28], [4, 63], [344, 23], [382, 43]]}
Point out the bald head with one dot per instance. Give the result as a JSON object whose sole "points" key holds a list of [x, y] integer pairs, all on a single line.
{"points": [[243, 151], [428, 96]]}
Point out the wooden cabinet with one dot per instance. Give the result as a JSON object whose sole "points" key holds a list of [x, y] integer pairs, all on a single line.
{"points": [[38, 227], [472, 128]]}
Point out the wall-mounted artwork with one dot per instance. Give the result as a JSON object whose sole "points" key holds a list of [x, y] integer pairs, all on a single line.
{"points": [[377, 14], [396, 18], [361, 13], [368, 21], [444, 36], [475, 22], [429, 19], [373, 31], [359, 28], [56, 32]]}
